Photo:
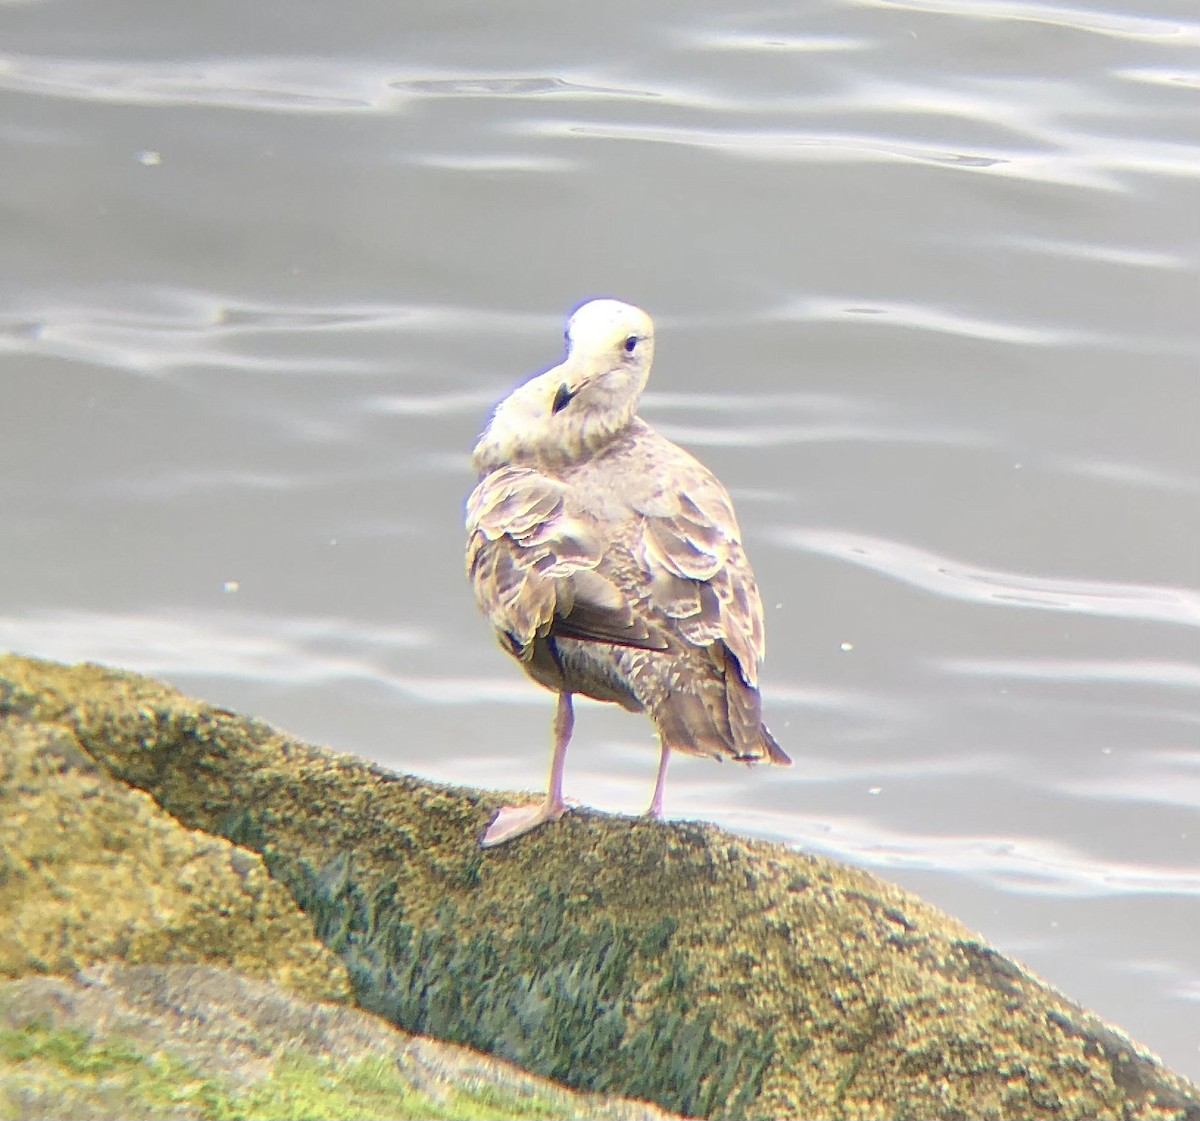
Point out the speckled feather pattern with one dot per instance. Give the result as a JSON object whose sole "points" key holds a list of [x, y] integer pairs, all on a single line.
{"points": [[610, 563]]}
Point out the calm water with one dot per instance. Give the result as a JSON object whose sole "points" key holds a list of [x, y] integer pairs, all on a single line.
{"points": [[926, 282]]}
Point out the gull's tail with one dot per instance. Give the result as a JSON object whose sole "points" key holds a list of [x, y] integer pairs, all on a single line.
{"points": [[722, 718]]}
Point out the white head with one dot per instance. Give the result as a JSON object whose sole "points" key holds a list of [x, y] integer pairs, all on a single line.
{"points": [[579, 405]]}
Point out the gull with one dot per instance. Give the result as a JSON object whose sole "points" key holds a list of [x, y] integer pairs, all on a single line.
{"points": [[609, 562]]}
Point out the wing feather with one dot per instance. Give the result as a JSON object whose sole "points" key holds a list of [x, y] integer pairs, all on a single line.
{"points": [[533, 567], [699, 575]]}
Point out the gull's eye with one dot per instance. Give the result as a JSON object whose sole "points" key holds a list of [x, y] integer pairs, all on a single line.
{"points": [[631, 344]]}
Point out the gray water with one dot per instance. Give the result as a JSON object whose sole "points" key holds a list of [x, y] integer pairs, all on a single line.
{"points": [[925, 277]]}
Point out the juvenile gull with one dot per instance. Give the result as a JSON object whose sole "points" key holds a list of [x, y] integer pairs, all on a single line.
{"points": [[610, 563]]}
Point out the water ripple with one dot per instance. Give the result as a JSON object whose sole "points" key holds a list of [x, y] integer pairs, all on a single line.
{"points": [[958, 580], [1031, 865], [508, 86], [474, 402], [752, 403], [1175, 675], [161, 330], [942, 321], [1112, 470], [1157, 76], [766, 143], [1123, 255], [785, 435], [293, 85], [274, 84], [1154, 778], [295, 650], [1118, 25], [785, 43]]}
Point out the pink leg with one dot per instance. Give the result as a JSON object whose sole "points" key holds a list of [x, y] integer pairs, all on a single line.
{"points": [[660, 783], [564, 725], [512, 821]]}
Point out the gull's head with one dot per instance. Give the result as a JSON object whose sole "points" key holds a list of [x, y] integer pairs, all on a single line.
{"points": [[610, 346], [579, 405]]}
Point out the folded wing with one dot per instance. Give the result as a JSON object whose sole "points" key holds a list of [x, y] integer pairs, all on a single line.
{"points": [[537, 571], [699, 575]]}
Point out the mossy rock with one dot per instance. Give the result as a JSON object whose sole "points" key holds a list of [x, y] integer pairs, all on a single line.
{"points": [[714, 975], [91, 869]]}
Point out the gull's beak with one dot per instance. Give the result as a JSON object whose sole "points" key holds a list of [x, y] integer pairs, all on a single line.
{"points": [[562, 398], [568, 387]]}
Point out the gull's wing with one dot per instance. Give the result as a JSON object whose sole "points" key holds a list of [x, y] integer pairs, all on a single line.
{"points": [[535, 569], [692, 551]]}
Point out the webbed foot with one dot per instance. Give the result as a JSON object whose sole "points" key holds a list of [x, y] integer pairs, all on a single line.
{"points": [[512, 821]]}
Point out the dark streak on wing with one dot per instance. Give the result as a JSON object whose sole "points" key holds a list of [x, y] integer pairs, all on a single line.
{"points": [[590, 625]]}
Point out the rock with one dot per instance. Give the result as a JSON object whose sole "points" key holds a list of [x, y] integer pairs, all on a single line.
{"points": [[714, 975], [91, 870], [189, 1041]]}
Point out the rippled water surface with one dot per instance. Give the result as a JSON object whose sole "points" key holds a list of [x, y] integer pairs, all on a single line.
{"points": [[925, 275]]}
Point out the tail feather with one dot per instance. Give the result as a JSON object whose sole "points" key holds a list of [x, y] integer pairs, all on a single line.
{"points": [[775, 753], [753, 743], [687, 725], [723, 720]]}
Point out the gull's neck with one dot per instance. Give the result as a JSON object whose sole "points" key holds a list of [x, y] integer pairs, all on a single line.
{"points": [[525, 432]]}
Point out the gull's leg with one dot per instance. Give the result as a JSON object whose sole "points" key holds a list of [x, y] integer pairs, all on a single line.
{"points": [[660, 783], [512, 821]]}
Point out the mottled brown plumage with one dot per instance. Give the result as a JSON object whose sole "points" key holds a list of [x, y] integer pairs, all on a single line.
{"points": [[609, 560]]}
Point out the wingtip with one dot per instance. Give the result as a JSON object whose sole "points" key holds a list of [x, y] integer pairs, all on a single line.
{"points": [[775, 753]]}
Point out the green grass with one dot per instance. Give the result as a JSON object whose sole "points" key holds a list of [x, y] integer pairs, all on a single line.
{"points": [[302, 1088], [43, 1070]]}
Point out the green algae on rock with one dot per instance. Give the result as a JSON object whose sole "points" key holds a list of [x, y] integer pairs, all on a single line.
{"points": [[710, 973]]}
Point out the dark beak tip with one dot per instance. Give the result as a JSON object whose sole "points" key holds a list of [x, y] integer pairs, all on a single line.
{"points": [[561, 399]]}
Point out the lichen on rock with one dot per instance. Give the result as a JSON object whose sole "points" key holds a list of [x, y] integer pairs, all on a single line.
{"points": [[92, 870]]}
